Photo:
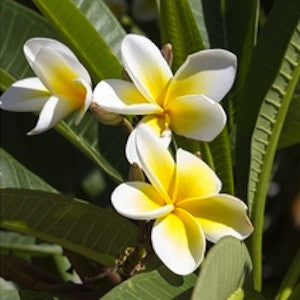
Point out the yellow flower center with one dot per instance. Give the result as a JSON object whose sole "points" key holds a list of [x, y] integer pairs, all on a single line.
{"points": [[63, 83]]}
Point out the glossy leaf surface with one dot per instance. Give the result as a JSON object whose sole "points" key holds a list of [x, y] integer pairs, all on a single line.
{"points": [[157, 284], [73, 224], [224, 270]]}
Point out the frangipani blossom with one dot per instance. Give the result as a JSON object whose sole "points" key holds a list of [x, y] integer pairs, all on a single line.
{"points": [[184, 200], [62, 85], [186, 103]]}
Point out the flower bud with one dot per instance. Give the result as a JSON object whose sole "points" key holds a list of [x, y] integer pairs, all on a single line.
{"points": [[105, 117], [198, 154], [167, 53]]}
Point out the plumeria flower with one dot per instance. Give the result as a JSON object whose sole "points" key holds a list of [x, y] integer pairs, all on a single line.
{"points": [[186, 103], [184, 200], [62, 85]]}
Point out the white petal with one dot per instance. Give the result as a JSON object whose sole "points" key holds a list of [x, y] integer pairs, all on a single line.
{"points": [[153, 122], [87, 102], [57, 75], [25, 95], [53, 111], [208, 72], [193, 172], [33, 46], [179, 242], [220, 215], [122, 97], [156, 161], [196, 117], [130, 150], [139, 201], [145, 65]]}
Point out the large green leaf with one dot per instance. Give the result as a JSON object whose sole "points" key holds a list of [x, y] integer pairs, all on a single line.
{"points": [[178, 27], [221, 153], [104, 22], [89, 135], [290, 133], [15, 175], [270, 84], [224, 270], [241, 25], [246, 294], [103, 144], [83, 27], [230, 24], [12, 242], [157, 284], [18, 24], [269, 55], [198, 12], [82, 227]]}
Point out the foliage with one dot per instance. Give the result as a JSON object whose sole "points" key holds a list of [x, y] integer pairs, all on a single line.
{"points": [[42, 227]]}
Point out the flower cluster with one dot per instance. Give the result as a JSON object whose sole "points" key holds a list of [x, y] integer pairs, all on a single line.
{"points": [[183, 197]]}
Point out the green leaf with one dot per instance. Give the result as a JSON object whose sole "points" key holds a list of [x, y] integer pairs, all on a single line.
{"points": [[86, 26], [157, 284], [272, 78], [13, 66], [5, 80], [76, 225], [15, 175], [9, 291], [104, 22], [246, 294], [178, 27], [90, 137], [6, 285], [224, 270], [211, 14], [221, 153], [296, 293], [264, 69], [12, 242], [241, 23], [197, 8], [290, 133], [18, 24]]}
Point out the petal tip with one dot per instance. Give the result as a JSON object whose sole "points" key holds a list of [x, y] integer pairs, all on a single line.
{"points": [[32, 132]]}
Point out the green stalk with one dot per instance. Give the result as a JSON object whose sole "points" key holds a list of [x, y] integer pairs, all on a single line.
{"points": [[290, 279]]}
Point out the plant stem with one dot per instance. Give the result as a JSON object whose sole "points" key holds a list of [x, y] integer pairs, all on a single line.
{"points": [[290, 279]]}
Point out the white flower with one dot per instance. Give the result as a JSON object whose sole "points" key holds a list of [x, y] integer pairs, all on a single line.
{"points": [[184, 200], [186, 103], [62, 85]]}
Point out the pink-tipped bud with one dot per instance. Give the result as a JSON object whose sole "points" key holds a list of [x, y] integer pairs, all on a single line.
{"points": [[104, 116], [167, 53]]}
